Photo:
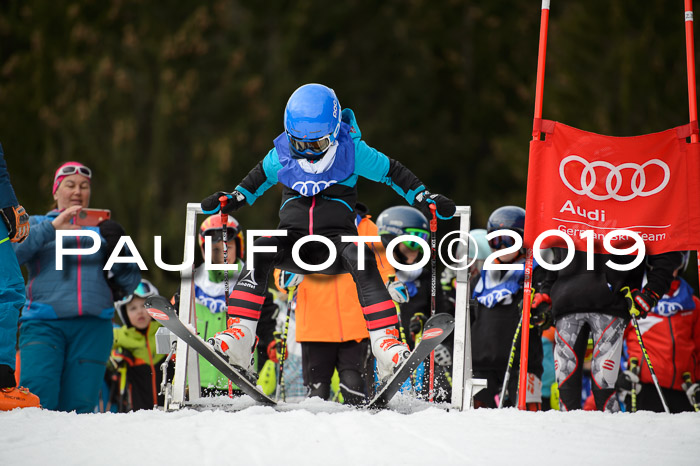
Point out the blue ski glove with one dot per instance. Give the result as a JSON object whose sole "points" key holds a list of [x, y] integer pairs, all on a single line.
{"points": [[286, 280], [445, 206], [398, 291], [212, 205]]}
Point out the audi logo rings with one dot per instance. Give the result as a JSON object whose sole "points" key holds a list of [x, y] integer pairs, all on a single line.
{"points": [[613, 181], [311, 188]]}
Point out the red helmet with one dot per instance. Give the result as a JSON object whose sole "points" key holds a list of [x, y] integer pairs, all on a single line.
{"points": [[213, 227]]}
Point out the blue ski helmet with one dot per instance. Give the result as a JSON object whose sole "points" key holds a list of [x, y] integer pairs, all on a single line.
{"points": [[506, 218], [312, 121], [402, 220]]}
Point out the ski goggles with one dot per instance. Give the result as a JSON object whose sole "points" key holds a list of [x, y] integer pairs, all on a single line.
{"points": [[145, 289], [504, 241], [315, 147], [420, 233], [217, 234]]}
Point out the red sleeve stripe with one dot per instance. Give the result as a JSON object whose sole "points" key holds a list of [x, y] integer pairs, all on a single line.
{"points": [[245, 296], [379, 307], [236, 311], [382, 323]]}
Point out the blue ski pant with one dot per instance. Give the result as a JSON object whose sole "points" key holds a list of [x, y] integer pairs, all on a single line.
{"points": [[12, 297], [64, 361]]}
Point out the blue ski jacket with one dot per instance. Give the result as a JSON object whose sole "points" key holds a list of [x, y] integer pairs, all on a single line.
{"points": [[323, 203], [80, 289], [7, 194]]}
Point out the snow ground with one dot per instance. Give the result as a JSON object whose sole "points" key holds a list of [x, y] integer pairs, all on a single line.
{"points": [[316, 432]]}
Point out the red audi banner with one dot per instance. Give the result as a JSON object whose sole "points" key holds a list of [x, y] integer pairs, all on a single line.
{"points": [[580, 181]]}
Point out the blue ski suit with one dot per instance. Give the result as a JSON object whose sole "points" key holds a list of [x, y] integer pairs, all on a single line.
{"points": [[11, 282], [66, 334], [322, 204]]}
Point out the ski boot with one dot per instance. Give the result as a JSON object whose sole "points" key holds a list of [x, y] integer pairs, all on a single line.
{"points": [[17, 397], [237, 345], [389, 353]]}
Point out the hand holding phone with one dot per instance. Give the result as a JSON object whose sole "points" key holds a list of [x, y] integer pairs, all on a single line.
{"points": [[92, 217]]}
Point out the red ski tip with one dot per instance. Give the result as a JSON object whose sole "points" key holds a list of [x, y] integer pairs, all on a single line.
{"points": [[157, 314], [432, 333]]}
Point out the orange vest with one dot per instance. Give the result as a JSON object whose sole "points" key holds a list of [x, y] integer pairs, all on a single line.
{"points": [[327, 308]]}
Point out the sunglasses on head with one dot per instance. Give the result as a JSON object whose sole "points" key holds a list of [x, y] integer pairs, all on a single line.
{"points": [[420, 233], [72, 170]]}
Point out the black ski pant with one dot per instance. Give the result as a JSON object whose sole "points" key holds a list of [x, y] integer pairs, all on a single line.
{"points": [[648, 399], [247, 297], [320, 359]]}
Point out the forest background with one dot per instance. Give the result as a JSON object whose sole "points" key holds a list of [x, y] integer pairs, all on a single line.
{"points": [[170, 101]]}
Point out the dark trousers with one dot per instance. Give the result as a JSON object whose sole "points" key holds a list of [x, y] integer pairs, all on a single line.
{"points": [[350, 358]]}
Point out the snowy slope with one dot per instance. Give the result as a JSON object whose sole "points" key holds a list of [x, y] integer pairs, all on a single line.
{"points": [[318, 432]]}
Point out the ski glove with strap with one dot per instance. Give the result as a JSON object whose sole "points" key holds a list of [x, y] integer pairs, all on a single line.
{"points": [[691, 389], [445, 207], [415, 326], [541, 314], [212, 205], [274, 349], [398, 291], [640, 303], [286, 280], [16, 220]]}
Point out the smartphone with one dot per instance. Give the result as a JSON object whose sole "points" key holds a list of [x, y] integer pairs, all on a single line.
{"points": [[92, 217]]}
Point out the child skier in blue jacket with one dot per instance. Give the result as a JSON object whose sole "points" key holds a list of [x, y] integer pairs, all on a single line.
{"points": [[318, 159]]}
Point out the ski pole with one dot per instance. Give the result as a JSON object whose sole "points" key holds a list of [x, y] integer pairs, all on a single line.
{"points": [[687, 383], [634, 368], [433, 290], [291, 293], [223, 200], [635, 324], [402, 331], [511, 358]]}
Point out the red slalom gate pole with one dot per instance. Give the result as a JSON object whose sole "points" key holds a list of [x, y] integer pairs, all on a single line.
{"points": [[692, 90], [527, 292]]}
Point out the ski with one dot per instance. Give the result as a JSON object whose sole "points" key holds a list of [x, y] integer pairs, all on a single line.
{"points": [[436, 329], [161, 310]]}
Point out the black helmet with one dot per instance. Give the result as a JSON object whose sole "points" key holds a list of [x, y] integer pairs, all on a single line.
{"points": [[402, 220], [508, 217]]}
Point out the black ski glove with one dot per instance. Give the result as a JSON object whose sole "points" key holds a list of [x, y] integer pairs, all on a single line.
{"points": [[640, 303], [541, 313], [111, 231], [445, 206], [16, 220], [211, 204], [415, 325]]}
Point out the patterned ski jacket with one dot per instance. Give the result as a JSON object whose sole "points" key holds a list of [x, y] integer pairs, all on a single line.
{"points": [[323, 203], [671, 334], [80, 289]]}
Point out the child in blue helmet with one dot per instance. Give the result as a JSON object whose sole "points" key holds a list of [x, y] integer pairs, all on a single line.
{"points": [[318, 159]]}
